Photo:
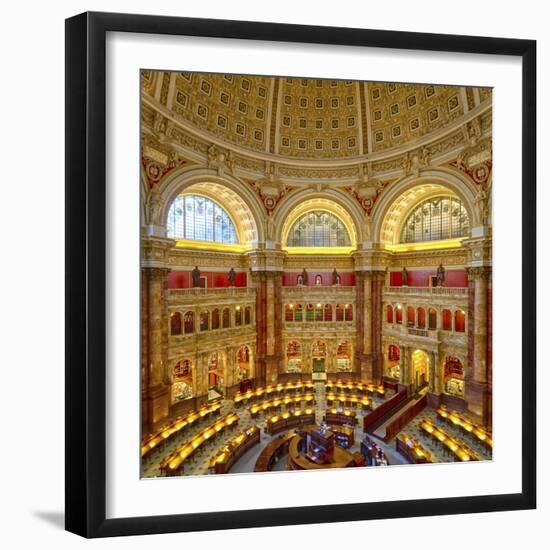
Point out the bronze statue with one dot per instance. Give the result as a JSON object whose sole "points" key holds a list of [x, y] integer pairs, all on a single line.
{"points": [[304, 276], [335, 277], [196, 273], [231, 277], [440, 275], [404, 277]]}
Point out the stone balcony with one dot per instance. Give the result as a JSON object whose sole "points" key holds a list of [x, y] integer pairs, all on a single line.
{"points": [[427, 291], [319, 293], [206, 296]]}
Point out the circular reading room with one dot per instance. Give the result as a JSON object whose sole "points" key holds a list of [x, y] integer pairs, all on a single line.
{"points": [[316, 286]]}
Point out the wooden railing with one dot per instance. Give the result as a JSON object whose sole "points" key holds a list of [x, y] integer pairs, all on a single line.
{"points": [[394, 427], [371, 419]]}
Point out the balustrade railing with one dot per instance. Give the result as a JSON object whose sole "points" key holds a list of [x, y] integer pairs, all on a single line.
{"points": [[428, 290], [184, 294]]}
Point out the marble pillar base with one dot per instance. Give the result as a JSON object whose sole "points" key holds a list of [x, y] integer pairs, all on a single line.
{"points": [[272, 367], [155, 407], [478, 397]]}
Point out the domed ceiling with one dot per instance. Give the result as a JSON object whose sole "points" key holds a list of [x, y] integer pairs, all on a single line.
{"points": [[309, 118]]}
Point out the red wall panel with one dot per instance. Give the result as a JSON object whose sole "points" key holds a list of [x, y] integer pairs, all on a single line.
{"points": [[346, 278], [453, 278], [214, 279]]}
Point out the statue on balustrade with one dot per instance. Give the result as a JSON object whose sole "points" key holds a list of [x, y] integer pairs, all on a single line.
{"points": [[440, 275], [304, 276], [404, 277], [231, 277], [196, 274], [335, 277]]}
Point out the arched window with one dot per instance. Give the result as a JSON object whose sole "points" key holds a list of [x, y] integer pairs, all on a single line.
{"points": [[298, 313], [340, 312], [460, 321], [399, 314], [318, 280], [175, 323], [294, 356], [203, 320], [410, 316], [199, 219], [432, 319], [226, 322], [319, 312], [189, 322], [389, 313], [243, 363], [328, 312], [447, 319], [215, 319], [421, 317], [343, 356], [247, 315], [319, 229], [393, 352], [289, 312], [348, 312], [238, 316], [318, 349], [310, 312], [453, 377], [182, 381], [436, 219]]}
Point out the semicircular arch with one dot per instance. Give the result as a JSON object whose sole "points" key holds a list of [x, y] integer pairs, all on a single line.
{"points": [[390, 212], [298, 204], [240, 202]]}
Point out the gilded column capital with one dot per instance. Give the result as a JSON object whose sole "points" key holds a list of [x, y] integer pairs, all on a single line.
{"points": [[481, 272], [155, 251]]}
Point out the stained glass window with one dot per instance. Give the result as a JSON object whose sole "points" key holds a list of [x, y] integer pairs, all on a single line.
{"points": [[199, 219], [319, 229], [436, 219]]}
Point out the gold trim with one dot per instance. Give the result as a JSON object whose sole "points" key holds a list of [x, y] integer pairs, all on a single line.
{"points": [[427, 245]]}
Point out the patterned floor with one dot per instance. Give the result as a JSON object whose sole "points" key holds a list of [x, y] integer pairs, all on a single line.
{"points": [[198, 465]]}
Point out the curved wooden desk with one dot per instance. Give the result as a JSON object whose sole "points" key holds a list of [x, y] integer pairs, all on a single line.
{"points": [[272, 391], [299, 461], [357, 387], [348, 400], [340, 416], [167, 432], [274, 404], [226, 457], [273, 451], [173, 464], [287, 420]]}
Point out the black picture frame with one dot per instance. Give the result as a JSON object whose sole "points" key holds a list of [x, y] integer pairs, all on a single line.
{"points": [[86, 274]]}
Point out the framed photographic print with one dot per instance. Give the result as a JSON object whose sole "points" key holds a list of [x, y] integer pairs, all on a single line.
{"points": [[294, 255]]}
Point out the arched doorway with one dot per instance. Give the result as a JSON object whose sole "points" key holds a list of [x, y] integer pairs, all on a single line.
{"points": [[318, 356], [343, 356], [420, 368], [393, 361], [453, 377], [182, 381], [216, 375], [243, 368], [294, 357]]}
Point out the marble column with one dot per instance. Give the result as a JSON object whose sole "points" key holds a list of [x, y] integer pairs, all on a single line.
{"points": [[478, 388], [268, 325], [155, 388]]}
